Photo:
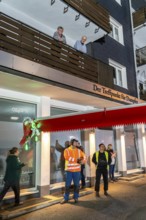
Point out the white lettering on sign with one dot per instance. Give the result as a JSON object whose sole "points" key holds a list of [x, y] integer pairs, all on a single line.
{"points": [[19, 110]]}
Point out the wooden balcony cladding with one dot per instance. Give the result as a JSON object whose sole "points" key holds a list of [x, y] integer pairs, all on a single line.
{"points": [[94, 12], [105, 76], [139, 17], [27, 42]]}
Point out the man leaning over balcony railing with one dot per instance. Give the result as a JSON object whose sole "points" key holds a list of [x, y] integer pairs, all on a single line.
{"points": [[80, 45], [58, 35]]}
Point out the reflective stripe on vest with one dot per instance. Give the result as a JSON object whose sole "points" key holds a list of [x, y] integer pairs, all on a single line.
{"points": [[106, 155], [69, 166]]}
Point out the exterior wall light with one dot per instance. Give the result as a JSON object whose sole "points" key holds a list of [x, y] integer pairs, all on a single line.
{"points": [[96, 30], [65, 9], [87, 24], [77, 17]]}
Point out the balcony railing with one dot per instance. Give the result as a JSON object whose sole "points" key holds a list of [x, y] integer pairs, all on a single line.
{"points": [[95, 12], [143, 96], [141, 56], [27, 42], [139, 17]]}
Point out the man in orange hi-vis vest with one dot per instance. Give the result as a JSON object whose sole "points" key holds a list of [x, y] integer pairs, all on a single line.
{"points": [[74, 157]]}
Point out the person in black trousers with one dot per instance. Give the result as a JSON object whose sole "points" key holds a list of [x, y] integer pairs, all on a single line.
{"points": [[102, 160], [12, 175]]}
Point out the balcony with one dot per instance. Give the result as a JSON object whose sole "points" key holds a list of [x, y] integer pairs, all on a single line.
{"points": [[24, 41], [78, 17], [139, 17], [141, 56]]}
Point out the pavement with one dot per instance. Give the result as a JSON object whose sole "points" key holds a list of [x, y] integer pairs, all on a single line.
{"points": [[127, 201]]}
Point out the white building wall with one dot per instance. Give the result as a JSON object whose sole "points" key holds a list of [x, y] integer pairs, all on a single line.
{"points": [[121, 150]]}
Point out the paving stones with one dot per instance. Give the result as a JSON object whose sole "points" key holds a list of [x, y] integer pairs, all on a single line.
{"points": [[138, 214], [127, 202]]}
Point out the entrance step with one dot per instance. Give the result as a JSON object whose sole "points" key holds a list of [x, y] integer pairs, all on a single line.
{"points": [[135, 171], [35, 204], [25, 194], [132, 177]]}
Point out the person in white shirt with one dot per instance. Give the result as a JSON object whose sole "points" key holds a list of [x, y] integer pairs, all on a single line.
{"points": [[80, 45], [113, 162]]}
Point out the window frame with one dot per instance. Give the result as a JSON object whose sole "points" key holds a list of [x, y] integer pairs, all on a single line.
{"points": [[118, 67], [115, 25]]}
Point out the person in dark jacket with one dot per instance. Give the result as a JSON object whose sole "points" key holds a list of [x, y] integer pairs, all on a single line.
{"points": [[102, 160], [12, 175], [83, 182]]}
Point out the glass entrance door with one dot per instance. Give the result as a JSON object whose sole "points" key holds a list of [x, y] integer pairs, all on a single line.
{"points": [[132, 153]]}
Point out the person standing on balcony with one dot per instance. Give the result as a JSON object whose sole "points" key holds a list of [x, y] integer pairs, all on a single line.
{"points": [[80, 45], [58, 35], [102, 160], [12, 175], [74, 157]]}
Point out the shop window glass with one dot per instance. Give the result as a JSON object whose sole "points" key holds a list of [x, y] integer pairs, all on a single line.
{"points": [[12, 114], [132, 152], [59, 141]]}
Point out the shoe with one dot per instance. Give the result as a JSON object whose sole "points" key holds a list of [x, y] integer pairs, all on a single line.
{"points": [[106, 193], [63, 201], [83, 187], [18, 204], [97, 194], [76, 201]]}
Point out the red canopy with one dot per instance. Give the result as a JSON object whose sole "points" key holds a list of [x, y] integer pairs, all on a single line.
{"points": [[132, 114]]}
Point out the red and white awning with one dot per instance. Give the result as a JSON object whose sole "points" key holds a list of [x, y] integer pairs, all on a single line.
{"points": [[131, 114]]}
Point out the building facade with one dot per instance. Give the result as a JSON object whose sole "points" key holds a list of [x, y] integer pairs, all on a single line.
{"points": [[42, 78]]}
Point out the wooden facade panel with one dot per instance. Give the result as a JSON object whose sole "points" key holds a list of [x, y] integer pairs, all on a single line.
{"points": [[105, 74], [98, 14], [94, 12], [139, 17]]}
